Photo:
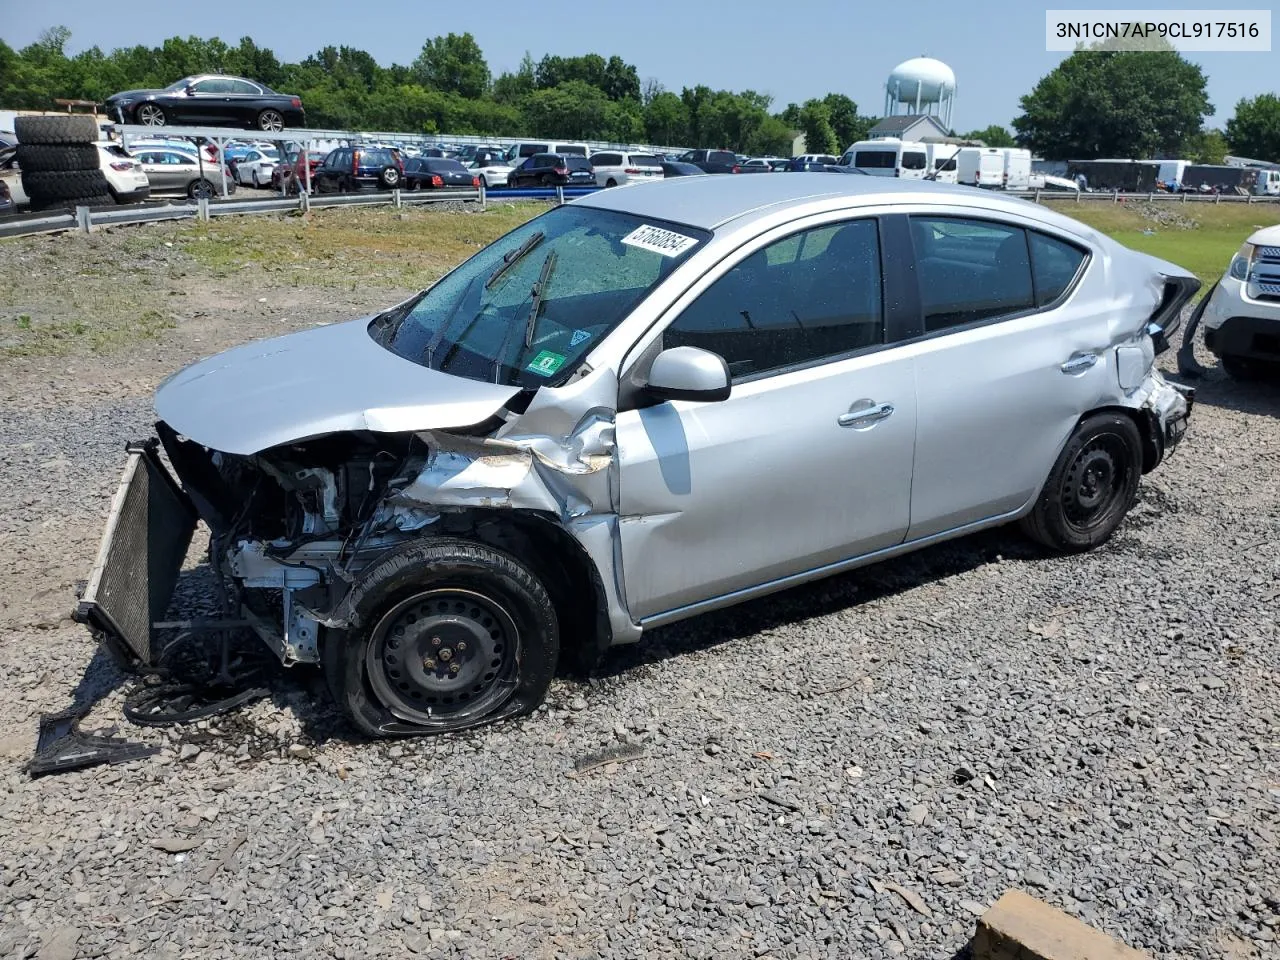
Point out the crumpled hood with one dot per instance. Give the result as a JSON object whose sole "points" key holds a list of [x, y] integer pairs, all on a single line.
{"points": [[326, 380]]}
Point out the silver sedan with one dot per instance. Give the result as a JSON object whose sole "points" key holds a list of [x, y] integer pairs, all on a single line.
{"points": [[640, 406]]}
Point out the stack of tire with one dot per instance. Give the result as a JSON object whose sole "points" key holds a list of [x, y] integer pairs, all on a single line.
{"points": [[60, 162]]}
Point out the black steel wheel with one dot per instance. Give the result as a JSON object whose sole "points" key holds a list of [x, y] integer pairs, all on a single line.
{"points": [[151, 115], [449, 634], [202, 190], [1091, 487], [444, 652], [271, 120]]}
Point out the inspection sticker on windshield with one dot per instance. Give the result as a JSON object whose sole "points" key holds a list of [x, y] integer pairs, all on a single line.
{"points": [[546, 363], [666, 242], [578, 337]]}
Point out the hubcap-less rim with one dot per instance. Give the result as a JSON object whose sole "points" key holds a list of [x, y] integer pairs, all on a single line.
{"points": [[1095, 482], [151, 116], [271, 121], [202, 190], [444, 655]]}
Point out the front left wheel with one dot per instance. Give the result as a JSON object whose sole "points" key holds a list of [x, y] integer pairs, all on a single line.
{"points": [[1091, 487], [449, 634]]}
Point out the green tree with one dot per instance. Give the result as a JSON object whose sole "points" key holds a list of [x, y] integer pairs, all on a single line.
{"points": [[453, 64], [666, 120], [511, 87], [1254, 131], [993, 136], [573, 109], [1209, 146], [621, 80], [849, 127], [772, 138], [815, 122], [1118, 104]]}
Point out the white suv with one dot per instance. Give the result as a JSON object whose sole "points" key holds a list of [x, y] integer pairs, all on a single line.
{"points": [[1241, 315], [125, 176], [613, 169]]}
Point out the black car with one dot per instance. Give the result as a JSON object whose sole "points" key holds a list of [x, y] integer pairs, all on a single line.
{"points": [[553, 170], [428, 172], [348, 169], [712, 161], [210, 100], [676, 168]]}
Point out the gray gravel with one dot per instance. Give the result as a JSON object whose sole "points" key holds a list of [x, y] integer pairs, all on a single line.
{"points": [[854, 768]]}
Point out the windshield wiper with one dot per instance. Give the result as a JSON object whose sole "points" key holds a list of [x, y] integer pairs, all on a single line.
{"points": [[514, 257], [539, 294]]}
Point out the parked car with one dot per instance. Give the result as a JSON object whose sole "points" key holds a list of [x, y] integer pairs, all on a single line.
{"points": [[1241, 314], [759, 165], [255, 168], [552, 170], [208, 100], [174, 173], [11, 177], [518, 152], [348, 169], [811, 162], [712, 161], [491, 167], [126, 178], [641, 406], [290, 177], [429, 172], [675, 168], [613, 168], [7, 203]]}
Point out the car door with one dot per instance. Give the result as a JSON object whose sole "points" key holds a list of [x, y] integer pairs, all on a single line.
{"points": [[1006, 364], [205, 102], [807, 463], [244, 101]]}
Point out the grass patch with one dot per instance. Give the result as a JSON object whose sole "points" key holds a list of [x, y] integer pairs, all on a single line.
{"points": [[60, 337], [1204, 245]]}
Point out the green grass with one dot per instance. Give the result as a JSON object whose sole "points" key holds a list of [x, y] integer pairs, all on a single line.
{"points": [[1204, 248]]}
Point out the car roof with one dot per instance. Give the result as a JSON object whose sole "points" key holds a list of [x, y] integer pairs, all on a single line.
{"points": [[711, 202]]}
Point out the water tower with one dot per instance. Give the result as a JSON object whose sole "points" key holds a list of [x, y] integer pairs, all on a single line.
{"points": [[921, 86]]}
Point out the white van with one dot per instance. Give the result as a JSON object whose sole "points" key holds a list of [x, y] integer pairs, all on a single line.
{"points": [[942, 161], [980, 167], [1268, 183], [889, 158], [1017, 168], [519, 152]]}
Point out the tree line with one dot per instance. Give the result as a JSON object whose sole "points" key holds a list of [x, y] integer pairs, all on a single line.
{"points": [[1096, 103]]}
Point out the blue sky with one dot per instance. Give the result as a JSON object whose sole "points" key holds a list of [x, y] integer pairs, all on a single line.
{"points": [[792, 50]]}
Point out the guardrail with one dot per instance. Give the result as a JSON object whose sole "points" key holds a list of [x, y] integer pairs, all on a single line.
{"points": [[1116, 196]]}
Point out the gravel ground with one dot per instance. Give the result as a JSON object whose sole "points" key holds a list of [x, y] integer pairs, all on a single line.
{"points": [[853, 768]]}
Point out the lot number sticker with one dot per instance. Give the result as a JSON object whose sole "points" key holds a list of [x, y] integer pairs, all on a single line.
{"points": [[546, 363], [666, 242]]}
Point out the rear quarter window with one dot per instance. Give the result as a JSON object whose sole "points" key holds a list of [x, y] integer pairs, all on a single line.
{"points": [[721, 156], [874, 159], [1054, 265]]}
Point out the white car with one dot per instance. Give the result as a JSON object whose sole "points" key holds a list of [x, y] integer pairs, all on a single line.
{"points": [[614, 169], [125, 176], [492, 171], [1241, 315], [255, 168]]}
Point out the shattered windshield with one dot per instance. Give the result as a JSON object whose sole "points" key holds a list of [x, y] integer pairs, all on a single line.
{"points": [[526, 309]]}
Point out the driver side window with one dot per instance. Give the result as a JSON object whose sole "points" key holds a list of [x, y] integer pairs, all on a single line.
{"points": [[811, 296]]}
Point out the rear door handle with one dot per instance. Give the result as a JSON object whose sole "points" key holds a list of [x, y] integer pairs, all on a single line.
{"points": [[1079, 363], [866, 416]]}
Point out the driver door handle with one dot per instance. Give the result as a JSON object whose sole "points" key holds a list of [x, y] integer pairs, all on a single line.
{"points": [[866, 416]]}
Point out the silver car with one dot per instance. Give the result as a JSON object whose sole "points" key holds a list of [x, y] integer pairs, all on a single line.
{"points": [[174, 172], [637, 407]]}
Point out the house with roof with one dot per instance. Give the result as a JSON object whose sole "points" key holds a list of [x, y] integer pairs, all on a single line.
{"points": [[920, 127]]}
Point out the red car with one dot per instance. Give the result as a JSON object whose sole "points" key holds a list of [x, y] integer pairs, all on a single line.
{"points": [[289, 176]]}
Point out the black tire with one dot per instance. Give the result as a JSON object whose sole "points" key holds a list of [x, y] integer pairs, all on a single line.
{"points": [[1091, 487], [611, 182], [56, 130], [546, 180], [47, 158], [430, 619], [271, 121], [1247, 369], [202, 188], [63, 184], [390, 177], [92, 200]]}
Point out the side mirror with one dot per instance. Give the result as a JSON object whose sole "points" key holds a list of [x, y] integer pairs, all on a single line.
{"points": [[688, 373]]}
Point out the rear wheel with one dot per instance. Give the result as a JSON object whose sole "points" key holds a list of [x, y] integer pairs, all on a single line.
{"points": [[151, 115], [390, 177], [1091, 487], [611, 182], [453, 634], [271, 120], [201, 190]]}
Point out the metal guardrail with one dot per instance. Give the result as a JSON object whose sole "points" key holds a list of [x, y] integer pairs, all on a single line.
{"points": [[88, 218], [1116, 196]]}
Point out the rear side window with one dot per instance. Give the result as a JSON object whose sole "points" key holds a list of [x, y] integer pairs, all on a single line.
{"points": [[576, 150], [606, 160], [914, 161], [810, 296], [970, 270], [644, 160], [874, 159], [577, 163], [1054, 265], [721, 156]]}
